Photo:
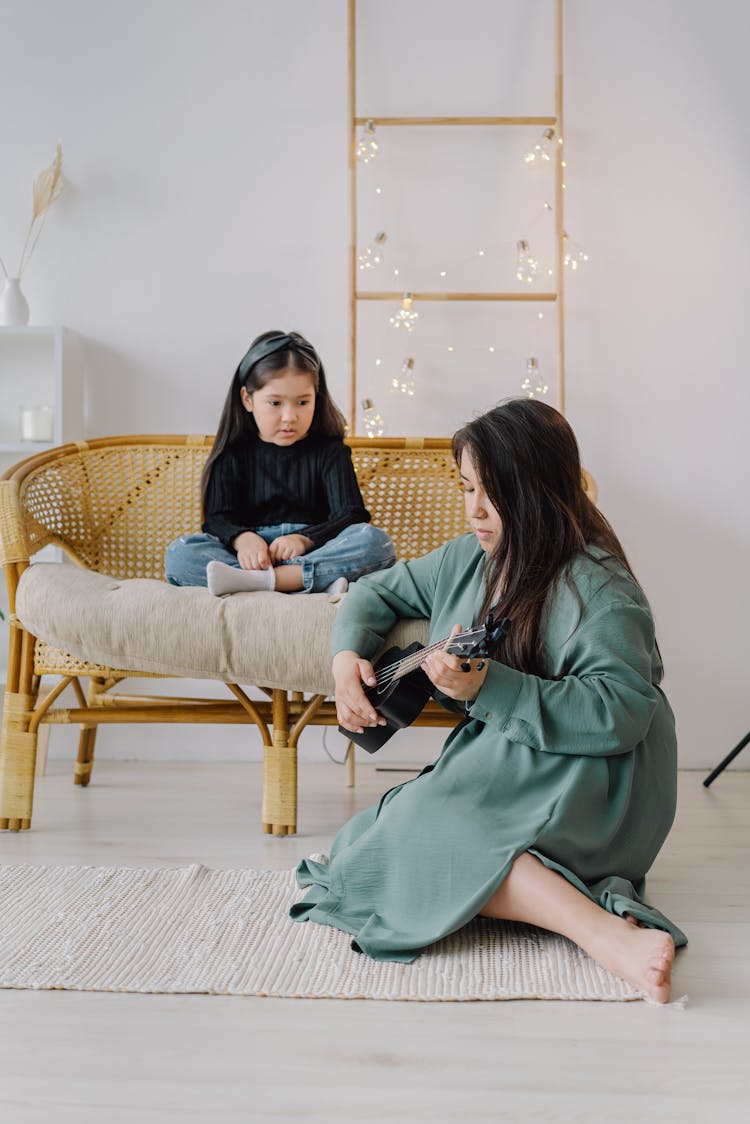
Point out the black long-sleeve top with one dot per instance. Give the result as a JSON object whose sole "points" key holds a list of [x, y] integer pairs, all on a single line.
{"points": [[255, 483]]}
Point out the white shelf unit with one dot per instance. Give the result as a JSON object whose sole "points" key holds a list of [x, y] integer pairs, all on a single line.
{"points": [[40, 365]]}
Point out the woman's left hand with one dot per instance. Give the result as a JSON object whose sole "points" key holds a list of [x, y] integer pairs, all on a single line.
{"points": [[289, 546], [444, 670]]}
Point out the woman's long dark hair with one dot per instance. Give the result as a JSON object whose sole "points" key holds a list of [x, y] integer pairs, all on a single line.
{"points": [[238, 424], [526, 456]]}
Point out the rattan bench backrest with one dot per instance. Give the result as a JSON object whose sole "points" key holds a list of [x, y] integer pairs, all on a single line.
{"points": [[113, 505]]}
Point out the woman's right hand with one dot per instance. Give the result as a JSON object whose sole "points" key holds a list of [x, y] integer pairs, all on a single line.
{"points": [[353, 708], [252, 551]]}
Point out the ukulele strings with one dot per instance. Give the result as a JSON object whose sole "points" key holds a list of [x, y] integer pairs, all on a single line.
{"points": [[407, 664], [410, 663]]}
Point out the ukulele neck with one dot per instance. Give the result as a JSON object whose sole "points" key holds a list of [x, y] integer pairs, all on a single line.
{"points": [[415, 660]]}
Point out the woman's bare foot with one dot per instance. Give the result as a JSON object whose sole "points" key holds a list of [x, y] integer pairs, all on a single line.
{"points": [[643, 957], [539, 896]]}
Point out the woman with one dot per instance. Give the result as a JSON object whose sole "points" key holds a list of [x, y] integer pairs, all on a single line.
{"points": [[553, 796]]}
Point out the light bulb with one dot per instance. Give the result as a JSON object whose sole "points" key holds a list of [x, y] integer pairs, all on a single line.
{"points": [[367, 146], [574, 256], [526, 266], [372, 255], [533, 386], [371, 419], [403, 383], [406, 316], [540, 153]]}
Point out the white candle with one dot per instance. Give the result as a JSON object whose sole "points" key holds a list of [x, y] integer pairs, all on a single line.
{"points": [[36, 423]]}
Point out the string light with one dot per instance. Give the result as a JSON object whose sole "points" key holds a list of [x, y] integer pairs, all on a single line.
{"points": [[533, 386], [541, 153], [372, 255], [367, 146], [371, 419], [455, 266], [403, 383], [529, 269], [574, 256], [406, 316], [526, 265]]}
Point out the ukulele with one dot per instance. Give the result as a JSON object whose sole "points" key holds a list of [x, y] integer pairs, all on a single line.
{"points": [[402, 688]]}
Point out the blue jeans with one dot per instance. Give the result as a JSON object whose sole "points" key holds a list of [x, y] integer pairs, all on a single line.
{"points": [[357, 550]]}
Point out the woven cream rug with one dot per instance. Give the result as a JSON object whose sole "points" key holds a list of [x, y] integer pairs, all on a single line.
{"points": [[226, 932]]}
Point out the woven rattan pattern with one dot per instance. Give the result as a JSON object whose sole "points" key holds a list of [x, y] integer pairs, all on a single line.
{"points": [[54, 661], [115, 508], [413, 494]]}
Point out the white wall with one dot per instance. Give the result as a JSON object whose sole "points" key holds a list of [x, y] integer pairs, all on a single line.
{"points": [[659, 336], [207, 200]]}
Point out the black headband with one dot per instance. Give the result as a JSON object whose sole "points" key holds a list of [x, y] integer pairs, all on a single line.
{"points": [[261, 351]]}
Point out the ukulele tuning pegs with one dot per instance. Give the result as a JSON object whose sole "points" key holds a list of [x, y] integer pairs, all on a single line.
{"points": [[496, 630]]}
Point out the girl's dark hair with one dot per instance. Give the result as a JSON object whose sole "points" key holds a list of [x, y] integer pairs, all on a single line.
{"points": [[237, 424], [526, 456]]}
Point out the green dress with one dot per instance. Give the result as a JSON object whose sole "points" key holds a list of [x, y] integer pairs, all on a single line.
{"points": [[579, 768]]}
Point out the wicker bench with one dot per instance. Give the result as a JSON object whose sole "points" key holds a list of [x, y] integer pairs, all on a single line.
{"points": [[113, 504]]}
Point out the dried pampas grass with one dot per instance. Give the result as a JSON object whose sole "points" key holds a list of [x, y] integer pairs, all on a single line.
{"points": [[46, 188]]}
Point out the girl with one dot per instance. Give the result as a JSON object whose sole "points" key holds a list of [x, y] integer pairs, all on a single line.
{"points": [[551, 799], [282, 507]]}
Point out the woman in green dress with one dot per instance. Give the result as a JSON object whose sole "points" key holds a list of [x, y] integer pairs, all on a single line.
{"points": [[553, 795]]}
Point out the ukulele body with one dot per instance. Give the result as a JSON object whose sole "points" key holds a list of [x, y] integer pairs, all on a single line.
{"points": [[399, 703], [405, 695]]}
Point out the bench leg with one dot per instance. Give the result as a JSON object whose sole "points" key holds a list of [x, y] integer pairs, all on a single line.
{"points": [[17, 743], [87, 737], [279, 789], [279, 815], [85, 758], [17, 762]]}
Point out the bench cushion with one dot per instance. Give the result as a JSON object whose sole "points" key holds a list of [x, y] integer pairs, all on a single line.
{"points": [[143, 625]]}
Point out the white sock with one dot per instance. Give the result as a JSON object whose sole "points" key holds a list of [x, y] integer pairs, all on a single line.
{"points": [[340, 585], [223, 579]]}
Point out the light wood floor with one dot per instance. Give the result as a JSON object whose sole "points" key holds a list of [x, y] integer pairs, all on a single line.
{"points": [[103, 1059]]}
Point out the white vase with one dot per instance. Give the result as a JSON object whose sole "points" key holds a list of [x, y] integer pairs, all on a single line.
{"points": [[14, 308]]}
